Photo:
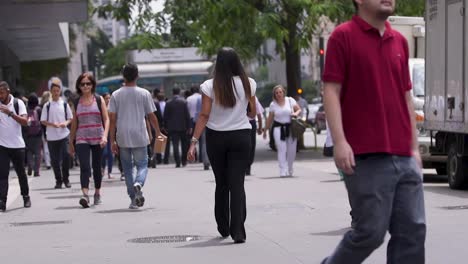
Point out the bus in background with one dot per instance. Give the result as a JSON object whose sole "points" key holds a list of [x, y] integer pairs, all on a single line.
{"points": [[164, 69]]}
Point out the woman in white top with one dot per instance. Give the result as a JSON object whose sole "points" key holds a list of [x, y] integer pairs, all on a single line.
{"points": [[282, 108], [225, 100]]}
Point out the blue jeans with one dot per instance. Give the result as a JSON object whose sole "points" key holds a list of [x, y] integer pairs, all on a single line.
{"points": [[385, 193], [134, 157]]}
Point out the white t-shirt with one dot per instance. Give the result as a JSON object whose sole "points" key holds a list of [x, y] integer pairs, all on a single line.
{"points": [[10, 130], [228, 119], [283, 113], [56, 115], [258, 109], [192, 104]]}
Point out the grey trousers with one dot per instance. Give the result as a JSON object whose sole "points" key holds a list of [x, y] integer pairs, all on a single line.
{"points": [[386, 194]]}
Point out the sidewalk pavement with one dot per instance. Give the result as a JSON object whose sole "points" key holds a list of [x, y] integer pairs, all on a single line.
{"points": [[289, 220]]}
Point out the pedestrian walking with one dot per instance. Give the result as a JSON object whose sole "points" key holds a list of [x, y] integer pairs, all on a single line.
{"points": [[303, 116], [45, 147], [281, 110], [380, 161], [256, 129], [156, 157], [178, 125], [225, 99], [13, 115], [107, 155], [88, 136], [202, 139], [128, 108], [33, 136], [56, 116]]}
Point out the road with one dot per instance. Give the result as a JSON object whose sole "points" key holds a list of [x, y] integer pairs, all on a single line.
{"points": [[289, 220]]}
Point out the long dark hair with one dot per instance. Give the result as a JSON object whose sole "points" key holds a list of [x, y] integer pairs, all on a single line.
{"points": [[90, 77], [227, 66]]}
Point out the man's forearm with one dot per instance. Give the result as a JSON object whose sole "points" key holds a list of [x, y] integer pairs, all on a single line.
{"points": [[412, 116]]}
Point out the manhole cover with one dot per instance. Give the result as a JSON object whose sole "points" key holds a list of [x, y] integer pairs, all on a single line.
{"points": [[457, 207], [165, 239], [40, 223]]}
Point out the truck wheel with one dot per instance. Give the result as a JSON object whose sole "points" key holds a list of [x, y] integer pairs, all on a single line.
{"points": [[457, 166]]}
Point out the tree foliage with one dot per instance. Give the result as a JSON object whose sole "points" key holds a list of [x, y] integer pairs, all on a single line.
{"points": [[243, 24]]}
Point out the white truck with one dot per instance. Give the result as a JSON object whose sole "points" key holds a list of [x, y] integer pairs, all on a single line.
{"points": [[446, 92]]}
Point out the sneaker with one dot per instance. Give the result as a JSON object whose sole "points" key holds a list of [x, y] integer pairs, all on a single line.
{"points": [[97, 199], [133, 205], [84, 201], [2, 206], [68, 185], [29, 171], [122, 177], [58, 186], [27, 201], [37, 174], [139, 199]]}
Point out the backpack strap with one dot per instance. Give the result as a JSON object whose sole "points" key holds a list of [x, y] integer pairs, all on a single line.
{"points": [[15, 105], [48, 110], [99, 102], [65, 110]]}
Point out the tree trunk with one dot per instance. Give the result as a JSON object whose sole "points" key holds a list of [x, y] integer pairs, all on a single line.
{"points": [[293, 69], [293, 57]]}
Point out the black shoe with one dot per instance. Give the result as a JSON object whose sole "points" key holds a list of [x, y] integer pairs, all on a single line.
{"points": [[37, 174], [29, 171], [166, 162], [206, 167], [2, 206], [58, 186], [68, 185], [239, 240], [27, 201], [177, 165], [84, 201], [48, 168]]}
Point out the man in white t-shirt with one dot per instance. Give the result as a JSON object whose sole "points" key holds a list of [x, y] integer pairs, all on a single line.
{"points": [[13, 115], [128, 108], [56, 116]]}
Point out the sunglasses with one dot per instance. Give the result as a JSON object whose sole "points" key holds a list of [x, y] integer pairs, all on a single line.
{"points": [[86, 84]]}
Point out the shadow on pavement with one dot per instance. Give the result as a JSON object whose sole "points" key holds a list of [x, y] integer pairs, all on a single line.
{"points": [[68, 207], [331, 181], [445, 190], [124, 210], [278, 178], [65, 197], [214, 242], [338, 232]]}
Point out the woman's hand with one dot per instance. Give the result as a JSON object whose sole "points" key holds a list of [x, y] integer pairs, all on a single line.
{"points": [[103, 142], [265, 133], [71, 149], [191, 152]]}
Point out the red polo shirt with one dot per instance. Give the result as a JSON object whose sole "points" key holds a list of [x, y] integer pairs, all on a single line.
{"points": [[374, 74]]}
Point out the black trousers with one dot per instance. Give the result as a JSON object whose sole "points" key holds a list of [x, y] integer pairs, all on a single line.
{"points": [[253, 140], [228, 152], [176, 138], [17, 157], [60, 159], [83, 151]]}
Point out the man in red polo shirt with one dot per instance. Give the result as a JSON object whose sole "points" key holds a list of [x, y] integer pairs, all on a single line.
{"points": [[369, 110]]}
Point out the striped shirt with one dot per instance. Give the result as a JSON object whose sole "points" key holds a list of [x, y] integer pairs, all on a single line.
{"points": [[90, 128]]}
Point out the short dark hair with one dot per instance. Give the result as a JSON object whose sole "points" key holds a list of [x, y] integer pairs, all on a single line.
{"points": [[175, 91], [33, 101], [130, 72], [90, 77], [156, 91], [5, 85], [355, 5], [195, 89]]}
